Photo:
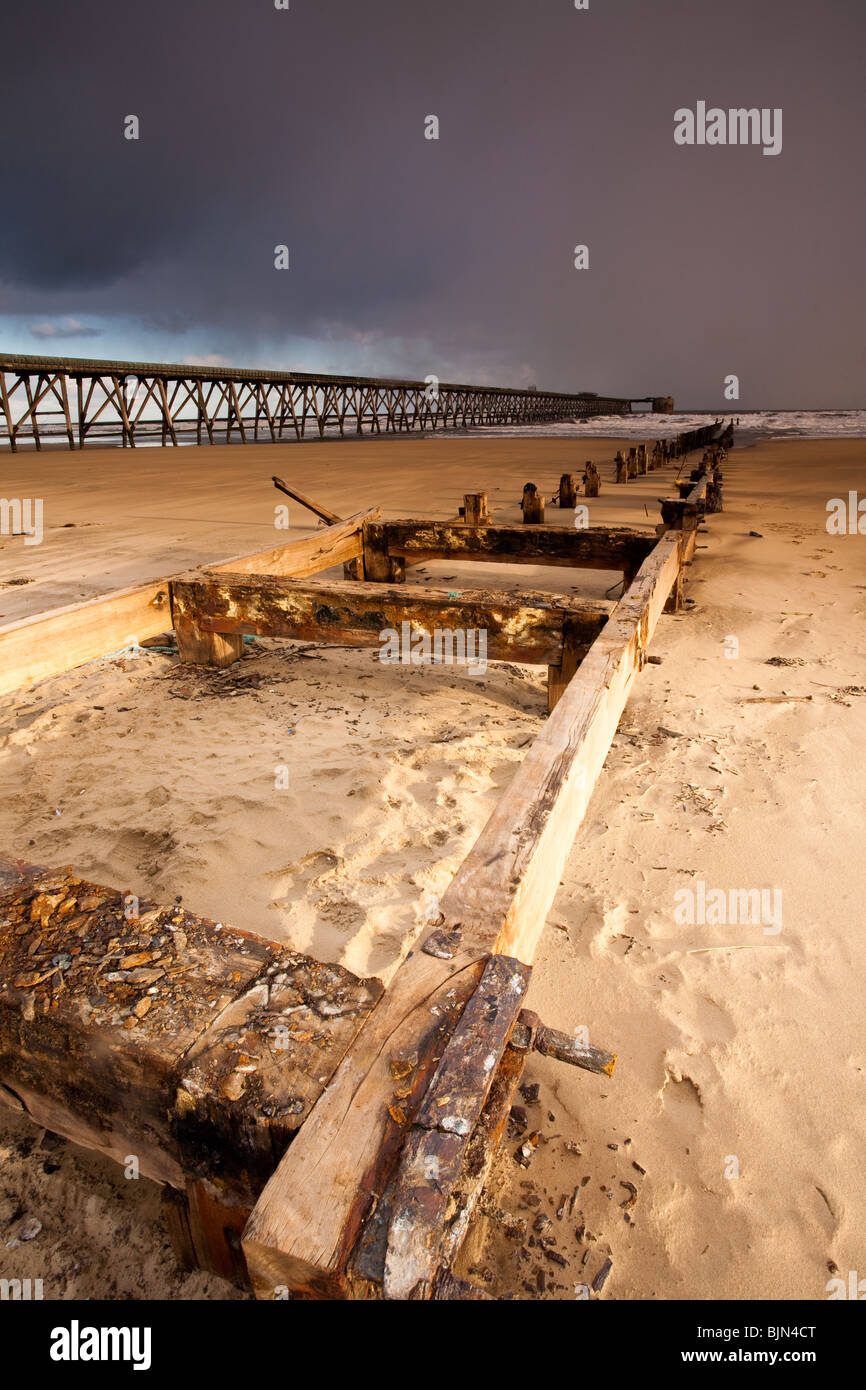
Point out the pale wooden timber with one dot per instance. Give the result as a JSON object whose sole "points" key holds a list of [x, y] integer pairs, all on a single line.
{"points": [[504, 888], [49, 643], [304, 1226], [323, 512], [609, 548], [335, 545], [522, 627]]}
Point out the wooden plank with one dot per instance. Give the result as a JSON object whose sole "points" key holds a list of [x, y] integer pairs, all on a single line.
{"points": [[305, 1223], [504, 888], [47, 644], [304, 1226], [592, 548], [335, 545], [518, 627], [433, 1157]]}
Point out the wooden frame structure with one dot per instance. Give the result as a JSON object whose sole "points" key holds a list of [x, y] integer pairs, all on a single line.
{"points": [[49, 398], [318, 1135]]}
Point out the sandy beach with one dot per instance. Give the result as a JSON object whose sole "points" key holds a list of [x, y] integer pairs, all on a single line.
{"points": [[723, 1160]]}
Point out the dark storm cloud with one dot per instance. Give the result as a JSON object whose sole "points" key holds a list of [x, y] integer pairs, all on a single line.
{"points": [[261, 127]]}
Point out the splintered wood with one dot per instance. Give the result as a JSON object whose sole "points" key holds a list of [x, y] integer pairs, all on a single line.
{"points": [[139, 1029]]}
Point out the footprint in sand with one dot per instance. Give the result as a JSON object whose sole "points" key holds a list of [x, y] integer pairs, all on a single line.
{"points": [[682, 1101], [314, 868]]}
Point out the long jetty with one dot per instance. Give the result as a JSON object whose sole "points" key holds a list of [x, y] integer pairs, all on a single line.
{"points": [[43, 400]]}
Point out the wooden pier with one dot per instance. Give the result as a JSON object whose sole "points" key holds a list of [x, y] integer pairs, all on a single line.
{"points": [[44, 400]]}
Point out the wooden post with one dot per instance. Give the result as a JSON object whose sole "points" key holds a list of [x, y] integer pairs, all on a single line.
{"points": [[379, 566], [532, 505], [632, 462], [197, 647], [591, 480], [205, 1229], [475, 511], [674, 601], [621, 468], [641, 460], [567, 491], [559, 676]]}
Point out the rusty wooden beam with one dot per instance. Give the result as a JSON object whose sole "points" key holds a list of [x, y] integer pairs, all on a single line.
{"points": [[517, 627], [598, 547]]}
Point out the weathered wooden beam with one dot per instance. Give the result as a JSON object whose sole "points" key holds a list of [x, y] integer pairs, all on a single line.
{"points": [[323, 512], [505, 886], [380, 567], [305, 1224], [205, 1225], [251, 1079], [49, 643], [335, 545], [433, 1156], [517, 627], [142, 1030], [609, 548], [366, 1269]]}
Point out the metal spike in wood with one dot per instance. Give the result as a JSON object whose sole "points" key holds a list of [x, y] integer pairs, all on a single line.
{"points": [[530, 1034]]}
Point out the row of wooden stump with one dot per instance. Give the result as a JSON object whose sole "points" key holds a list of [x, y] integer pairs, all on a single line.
{"points": [[638, 463]]}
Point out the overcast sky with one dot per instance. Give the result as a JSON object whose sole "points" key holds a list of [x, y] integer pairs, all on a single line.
{"points": [[408, 256]]}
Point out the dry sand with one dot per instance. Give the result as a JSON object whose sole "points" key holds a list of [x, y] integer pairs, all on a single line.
{"points": [[164, 780]]}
